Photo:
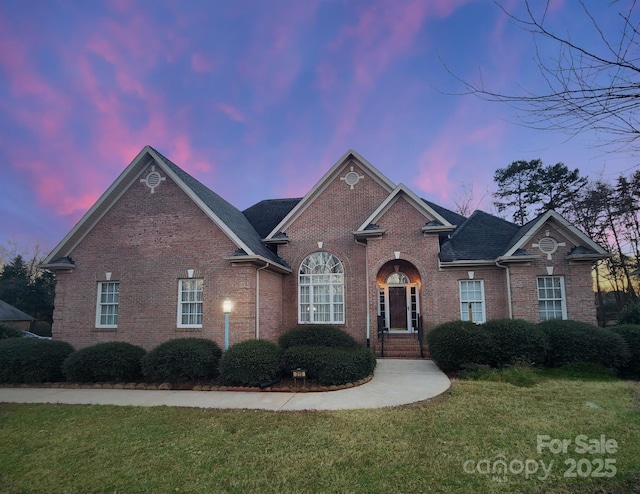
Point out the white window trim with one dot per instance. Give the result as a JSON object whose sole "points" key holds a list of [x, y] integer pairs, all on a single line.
{"points": [[483, 301], [100, 305], [331, 300], [180, 302], [563, 297]]}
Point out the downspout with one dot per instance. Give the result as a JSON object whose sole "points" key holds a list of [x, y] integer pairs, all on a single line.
{"points": [[258, 298], [366, 264], [509, 303]]}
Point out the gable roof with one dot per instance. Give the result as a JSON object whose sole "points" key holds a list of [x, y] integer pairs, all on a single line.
{"points": [[481, 237], [531, 228], [229, 219], [484, 237], [10, 313], [323, 183], [415, 201]]}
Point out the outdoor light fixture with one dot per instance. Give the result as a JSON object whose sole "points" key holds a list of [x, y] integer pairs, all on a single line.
{"points": [[226, 308], [299, 374]]}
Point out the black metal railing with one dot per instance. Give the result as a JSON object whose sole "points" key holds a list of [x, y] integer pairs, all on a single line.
{"points": [[381, 331], [420, 335]]}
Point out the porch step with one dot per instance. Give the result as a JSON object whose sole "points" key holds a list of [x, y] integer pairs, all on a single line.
{"points": [[400, 346]]}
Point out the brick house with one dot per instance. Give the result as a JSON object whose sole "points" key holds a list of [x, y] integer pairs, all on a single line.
{"points": [[159, 252]]}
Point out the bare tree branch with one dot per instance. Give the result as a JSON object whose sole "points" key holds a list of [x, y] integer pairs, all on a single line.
{"points": [[587, 89]]}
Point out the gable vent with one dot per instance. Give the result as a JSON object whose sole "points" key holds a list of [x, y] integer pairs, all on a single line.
{"points": [[548, 245]]}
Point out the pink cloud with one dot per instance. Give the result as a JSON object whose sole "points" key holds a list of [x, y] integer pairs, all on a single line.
{"points": [[465, 130], [230, 111]]}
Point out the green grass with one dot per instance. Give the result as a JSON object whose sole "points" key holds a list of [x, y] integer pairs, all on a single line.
{"points": [[418, 448]]}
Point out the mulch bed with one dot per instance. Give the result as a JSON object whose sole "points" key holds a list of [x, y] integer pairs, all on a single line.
{"points": [[286, 385]]}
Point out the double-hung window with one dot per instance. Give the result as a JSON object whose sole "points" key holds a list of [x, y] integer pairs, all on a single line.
{"points": [[107, 304], [321, 289], [190, 303], [472, 305], [551, 298]]}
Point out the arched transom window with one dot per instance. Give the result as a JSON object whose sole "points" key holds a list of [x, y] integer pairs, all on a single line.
{"points": [[321, 289], [397, 279]]}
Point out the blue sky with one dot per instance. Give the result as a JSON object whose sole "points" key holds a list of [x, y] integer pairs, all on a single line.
{"points": [[258, 99]]}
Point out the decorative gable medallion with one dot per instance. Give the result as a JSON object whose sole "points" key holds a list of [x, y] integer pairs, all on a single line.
{"points": [[548, 245], [352, 178], [153, 179]]}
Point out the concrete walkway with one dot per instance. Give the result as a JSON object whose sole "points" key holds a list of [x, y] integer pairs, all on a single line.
{"points": [[395, 382]]}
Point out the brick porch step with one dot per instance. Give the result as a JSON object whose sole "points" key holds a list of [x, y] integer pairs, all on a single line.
{"points": [[400, 346]]}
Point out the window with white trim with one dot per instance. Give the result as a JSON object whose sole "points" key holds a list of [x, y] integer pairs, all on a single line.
{"points": [[472, 305], [107, 304], [190, 303], [551, 298], [321, 289]]}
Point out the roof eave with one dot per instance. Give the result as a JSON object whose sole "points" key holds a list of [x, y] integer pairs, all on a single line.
{"points": [[438, 229], [365, 234], [467, 263], [517, 259], [573, 258], [58, 267], [258, 261]]}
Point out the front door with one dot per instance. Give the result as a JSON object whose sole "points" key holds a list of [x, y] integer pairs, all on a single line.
{"points": [[398, 308]]}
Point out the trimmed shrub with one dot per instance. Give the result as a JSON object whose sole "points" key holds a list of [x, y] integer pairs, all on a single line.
{"points": [[182, 360], [454, 344], [7, 331], [316, 335], [32, 360], [112, 361], [515, 340], [575, 341], [331, 365], [250, 363], [631, 334], [630, 314]]}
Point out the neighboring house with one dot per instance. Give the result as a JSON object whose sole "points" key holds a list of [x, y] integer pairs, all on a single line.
{"points": [[159, 252], [12, 316]]}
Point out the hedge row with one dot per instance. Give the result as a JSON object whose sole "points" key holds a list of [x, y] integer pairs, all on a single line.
{"points": [[329, 355], [32, 360], [551, 343]]}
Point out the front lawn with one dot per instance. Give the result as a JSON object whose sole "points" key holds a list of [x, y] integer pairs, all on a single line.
{"points": [[426, 447]]}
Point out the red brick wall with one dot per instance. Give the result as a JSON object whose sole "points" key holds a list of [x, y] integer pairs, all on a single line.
{"points": [[148, 241], [577, 277], [332, 218]]}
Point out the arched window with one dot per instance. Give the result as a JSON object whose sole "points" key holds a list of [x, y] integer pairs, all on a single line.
{"points": [[321, 289], [397, 279]]}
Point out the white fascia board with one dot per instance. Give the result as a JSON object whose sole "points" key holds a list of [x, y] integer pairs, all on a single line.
{"points": [[205, 209], [563, 223], [324, 182], [419, 204], [88, 221]]}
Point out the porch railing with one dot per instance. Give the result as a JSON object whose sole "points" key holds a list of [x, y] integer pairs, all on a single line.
{"points": [[420, 335], [381, 331]]}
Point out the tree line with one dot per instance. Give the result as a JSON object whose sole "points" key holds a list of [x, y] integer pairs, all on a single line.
{"points": [[605, 211], [27, 287]]}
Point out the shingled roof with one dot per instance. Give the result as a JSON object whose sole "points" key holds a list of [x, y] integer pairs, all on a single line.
{"points": [[447, 214], [10, 313], [266, 215], [481, 237], [229, 214]]}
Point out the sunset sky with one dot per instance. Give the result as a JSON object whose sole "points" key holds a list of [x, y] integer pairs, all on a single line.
{"points": [[258, 98]]}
